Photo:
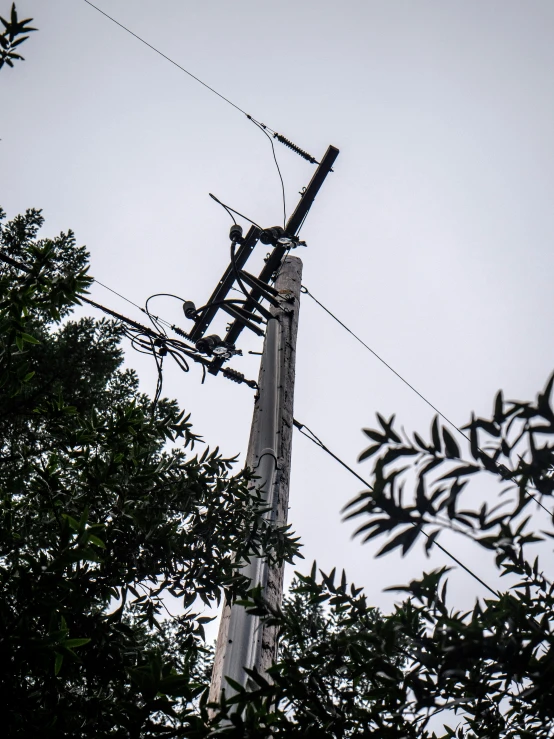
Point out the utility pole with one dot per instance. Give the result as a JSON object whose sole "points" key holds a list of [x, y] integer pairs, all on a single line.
{"points": [[243, 641]]}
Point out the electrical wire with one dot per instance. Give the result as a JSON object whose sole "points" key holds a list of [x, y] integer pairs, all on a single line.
{"points": [[459, 430], [309, 434], [240, 283], [161, 320], [262, 128], [232, 301], [142, 337], [194, 77], [232, 210], [118, 294], [260, 125], [312, 296], [156, 322]]}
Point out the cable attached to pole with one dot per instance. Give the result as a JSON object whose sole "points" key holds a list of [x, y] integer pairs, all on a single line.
{"points": [[154, 339], [296, 149], [264, 128], [305, 291], [309, 434]]}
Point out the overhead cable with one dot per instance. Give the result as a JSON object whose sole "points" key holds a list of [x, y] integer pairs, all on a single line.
{"points": [[305, 290], [260, 125], [309, 434], [232, 210], [312, 296], [153, 339], [262, 128]]}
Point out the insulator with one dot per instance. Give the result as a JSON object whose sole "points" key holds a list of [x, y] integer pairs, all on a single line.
{"points": [[207, 343], [233, 375], [180, 331], [270, 235], [235, 232], [189, 309], [297, 149]]}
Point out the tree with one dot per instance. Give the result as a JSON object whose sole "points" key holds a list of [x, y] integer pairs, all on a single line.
{"points": [[487, 672], [12, 36], [104, 513]]}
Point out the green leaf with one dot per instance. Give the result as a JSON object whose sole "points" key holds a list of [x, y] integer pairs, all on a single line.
{"points": [[452, 449], [369, 452], [466, 469], [73, 524], [499, 407], [405, 539], [29, 339], [58, 663], [73, 643], [175, 685], [436, 436], [375, 435]]}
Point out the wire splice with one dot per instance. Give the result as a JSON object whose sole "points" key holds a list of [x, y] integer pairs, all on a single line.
{"points": [[297, 149]]}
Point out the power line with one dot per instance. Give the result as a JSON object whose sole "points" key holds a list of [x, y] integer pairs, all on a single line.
{"points": [[262, 129], [144, 310], [260, 125], [230, 211], [307, 292], [118, 294], [154, 339], [194, 77], [459, 430], [309, 434]]}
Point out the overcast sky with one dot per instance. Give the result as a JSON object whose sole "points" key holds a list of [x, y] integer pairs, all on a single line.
{"points": [[432, 239]]}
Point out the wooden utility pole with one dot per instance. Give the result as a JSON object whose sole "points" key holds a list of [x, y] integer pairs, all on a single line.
{"points": [[243, 641]]}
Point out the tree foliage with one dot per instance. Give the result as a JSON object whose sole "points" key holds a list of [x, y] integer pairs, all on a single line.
{"points": [[12, 37], [105, 512], [426, 669], [104, 515]]}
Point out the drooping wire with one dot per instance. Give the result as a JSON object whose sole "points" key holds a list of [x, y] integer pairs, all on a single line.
{"points": [[154, 320], [145, 344], [142, 337], [309, 434], [262, 128], [159, 359], [457, 428], [232, 210]]}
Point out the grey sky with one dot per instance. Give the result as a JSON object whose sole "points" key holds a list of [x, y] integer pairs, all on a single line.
{"points": [[432, 239]]}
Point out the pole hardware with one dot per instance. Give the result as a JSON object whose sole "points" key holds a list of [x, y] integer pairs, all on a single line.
{"points": [[267, 291], [282, 240], [225, 284], [235, 233], [245, 318], [189, 309], [214, 345]]}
